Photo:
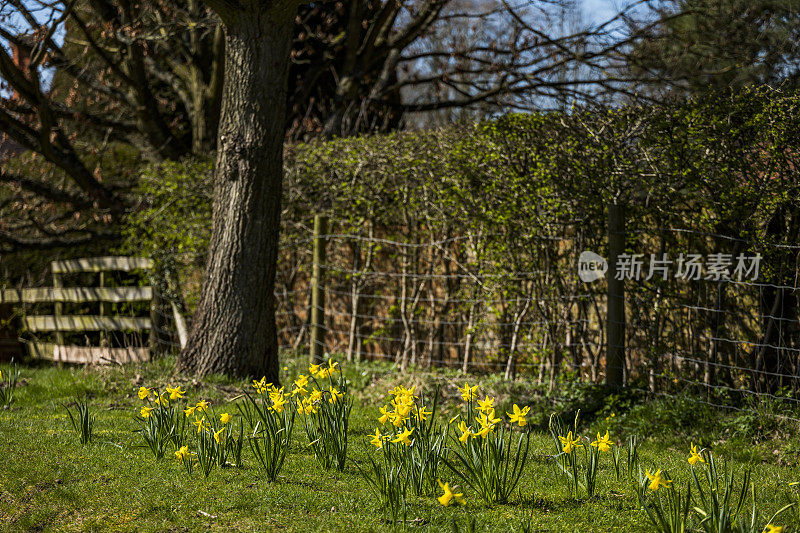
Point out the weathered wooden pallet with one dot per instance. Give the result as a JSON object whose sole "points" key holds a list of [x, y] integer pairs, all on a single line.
{"points": [[58, 323]]}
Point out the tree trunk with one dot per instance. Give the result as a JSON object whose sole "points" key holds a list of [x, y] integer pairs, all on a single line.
{"points": [[233, 330]]}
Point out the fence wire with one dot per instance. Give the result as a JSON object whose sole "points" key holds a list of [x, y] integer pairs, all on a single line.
{"points": [[524, 311]]}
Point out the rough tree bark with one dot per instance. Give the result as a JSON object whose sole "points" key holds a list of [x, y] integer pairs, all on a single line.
{"points": [[233, 330]]}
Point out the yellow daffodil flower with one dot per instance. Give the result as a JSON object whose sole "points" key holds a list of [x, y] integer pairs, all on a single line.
{"points": [[143, 393], [182, 452], [448, 497], [422, 414], [145, 412], [275, 393], [175, 392], [300, 391], [310, 408], [465, 431], [404, 437], [377, 439], [603, 443], [657, 480], [486, 404], [304, 406], [773, 529], [385, 415], [260, 385], [333, 368], [403, 410], [487, 423], [225, 418], [694, 455], [487, 418], [335, 395], [518, 416], [217, 434], [398, 420], [202, 406], [313, 369], [468, 393], [189, 411], [483, 432], [570, 442], [200, 423], [277, 403], [163, 399], [301, 381]]}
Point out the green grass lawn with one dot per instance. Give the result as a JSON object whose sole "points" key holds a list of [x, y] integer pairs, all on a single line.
{"points": [[48, 481]]}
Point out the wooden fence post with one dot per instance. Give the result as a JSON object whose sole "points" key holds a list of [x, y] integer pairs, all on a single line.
{"points": [[615, 315], [318, 289]]}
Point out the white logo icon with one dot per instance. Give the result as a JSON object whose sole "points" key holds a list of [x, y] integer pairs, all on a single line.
{"points": [[591, 266]]}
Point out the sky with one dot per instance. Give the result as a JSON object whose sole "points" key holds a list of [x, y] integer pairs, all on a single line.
{"points": [[600, 10]]}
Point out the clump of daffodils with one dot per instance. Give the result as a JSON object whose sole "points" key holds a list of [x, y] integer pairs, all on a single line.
{"points": [[168, 419], [217, 442], [161, 419], [488, 454], [577, 458], [270, 415], [321, 400], [409, 446], [480, 419]]}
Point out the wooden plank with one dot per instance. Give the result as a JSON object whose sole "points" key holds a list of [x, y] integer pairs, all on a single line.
{"points": [[85, 323], [87, 354], [99, 264], [100, 356], [40, 350], [76, 294]]}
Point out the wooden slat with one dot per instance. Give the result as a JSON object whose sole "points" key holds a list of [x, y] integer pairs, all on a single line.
{"points": [[40, 350], [97, 355], [77, 294], [99, 264], [85, 323], [87, 354]]}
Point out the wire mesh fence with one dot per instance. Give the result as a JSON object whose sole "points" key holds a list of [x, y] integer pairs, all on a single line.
{"points": [[707, 314]]}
